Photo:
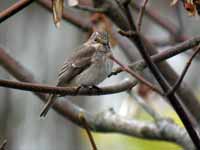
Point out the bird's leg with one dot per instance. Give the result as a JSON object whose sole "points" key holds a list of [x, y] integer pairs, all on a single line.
{"points": [[80, 87], [89, 87], [96, 88]]}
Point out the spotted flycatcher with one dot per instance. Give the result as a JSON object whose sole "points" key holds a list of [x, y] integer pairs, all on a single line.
{"points": [[88, 66]]}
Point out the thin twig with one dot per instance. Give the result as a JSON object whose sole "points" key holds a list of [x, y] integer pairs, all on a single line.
{"points": [[134, 74], [178, 82], [162, 22], [12, 10], [126, 33], [87, 128], [140, 16]]}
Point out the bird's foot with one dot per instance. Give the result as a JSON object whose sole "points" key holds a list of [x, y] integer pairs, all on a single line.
{"points": [[96, 88], [89, 87]]}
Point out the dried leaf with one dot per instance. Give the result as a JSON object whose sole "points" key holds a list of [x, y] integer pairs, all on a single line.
{"points": [[57, 6], [191, 8], [73, 2], [102, 23]]}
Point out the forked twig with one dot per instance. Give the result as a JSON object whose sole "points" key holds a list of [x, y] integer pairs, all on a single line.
{"points": [[134, 74], [141, 14], [179, 81], [86, 126]]}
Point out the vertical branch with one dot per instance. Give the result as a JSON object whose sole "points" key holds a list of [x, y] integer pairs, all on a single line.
{"points": [[140, 16]]}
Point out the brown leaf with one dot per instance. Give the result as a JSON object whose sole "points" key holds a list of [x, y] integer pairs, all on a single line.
{"points": [[57, 6], [102, 23], [191, 8]]}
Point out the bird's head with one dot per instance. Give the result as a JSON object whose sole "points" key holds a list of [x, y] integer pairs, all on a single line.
{"points": [[100, 37]]}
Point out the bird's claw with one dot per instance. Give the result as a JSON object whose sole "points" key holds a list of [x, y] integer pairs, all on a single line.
{"points": [[89, 87]]}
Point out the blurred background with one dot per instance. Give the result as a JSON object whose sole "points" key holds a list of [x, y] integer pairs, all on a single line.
{"points": [[31, 38]]}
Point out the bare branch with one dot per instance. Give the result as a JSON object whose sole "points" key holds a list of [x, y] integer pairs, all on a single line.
{"points": [[162, 22], [164, 54], [178, 82], [134, 74], [86, 126], [15, 8], [140, 16], [126, 85]]}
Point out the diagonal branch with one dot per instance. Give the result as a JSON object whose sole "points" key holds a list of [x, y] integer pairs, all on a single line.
{"points": [[134, 74], [15, 8], [178, 82], [164, 54]]}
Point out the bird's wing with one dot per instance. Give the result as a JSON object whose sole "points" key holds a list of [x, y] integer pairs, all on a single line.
{"points": [[76, 64]]}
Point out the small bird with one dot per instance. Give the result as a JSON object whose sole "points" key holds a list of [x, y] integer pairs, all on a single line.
{"points": [[88, 66]]}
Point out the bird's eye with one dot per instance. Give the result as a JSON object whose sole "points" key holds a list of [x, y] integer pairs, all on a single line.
{"points": [[97, 40]]}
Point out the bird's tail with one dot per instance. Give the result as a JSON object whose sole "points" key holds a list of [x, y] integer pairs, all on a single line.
{"points": [[48, 105]]}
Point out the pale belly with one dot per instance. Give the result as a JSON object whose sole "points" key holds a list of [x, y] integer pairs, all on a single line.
{"points": [[94, 75]]}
